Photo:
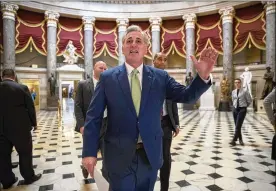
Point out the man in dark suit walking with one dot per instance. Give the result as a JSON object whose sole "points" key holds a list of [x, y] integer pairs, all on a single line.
{"points": [[133, 94], [170, 126], [17, 119], [84, 94]]}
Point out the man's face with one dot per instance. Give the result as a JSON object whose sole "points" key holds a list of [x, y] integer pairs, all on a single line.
{"points": [[160, 61], [237, 84], [134, 48], [99, 68]]}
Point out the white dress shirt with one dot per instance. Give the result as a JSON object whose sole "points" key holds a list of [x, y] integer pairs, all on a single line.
{"points": [[95, 81]]}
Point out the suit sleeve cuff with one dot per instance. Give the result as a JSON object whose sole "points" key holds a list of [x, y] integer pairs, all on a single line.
{"points": [[210, 79]]}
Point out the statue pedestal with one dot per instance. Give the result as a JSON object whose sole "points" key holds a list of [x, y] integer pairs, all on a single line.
{"points": [[207, 101], [224, 106], [260, 106], [52, 103]]}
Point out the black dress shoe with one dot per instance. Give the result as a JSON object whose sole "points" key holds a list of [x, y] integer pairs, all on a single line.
{"points": [[84, 172], [233, 143], [241, 142], [14, 165], [10, 185], [33, 179]]}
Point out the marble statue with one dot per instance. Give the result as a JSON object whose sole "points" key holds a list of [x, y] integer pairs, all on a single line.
{"points": [[225, 89], [246, 77], [189, 79], [70, 53], [52, 82], [268, 77]]}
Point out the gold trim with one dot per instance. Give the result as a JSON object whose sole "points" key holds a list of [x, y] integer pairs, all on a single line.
{"points": [[250, 20], [70, 29], [30, 25], [104, 48]]}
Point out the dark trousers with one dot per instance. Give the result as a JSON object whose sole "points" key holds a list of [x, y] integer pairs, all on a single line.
{"points": [[139, 176], [167, 160], [273, 153], [101, 147], [24, 148], [239, 115]]}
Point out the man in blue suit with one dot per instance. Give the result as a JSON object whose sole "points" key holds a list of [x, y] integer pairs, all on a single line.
{"points": [[133, 94]]}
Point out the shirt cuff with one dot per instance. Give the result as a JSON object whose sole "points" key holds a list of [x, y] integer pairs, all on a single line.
{"points": [[208, 80]]}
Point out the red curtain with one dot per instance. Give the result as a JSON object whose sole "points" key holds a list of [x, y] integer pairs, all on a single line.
{"points": [[105, 39], [209, 33], [249, 28], [145, 25], [70, 29], [173, 37], [30, 30]]}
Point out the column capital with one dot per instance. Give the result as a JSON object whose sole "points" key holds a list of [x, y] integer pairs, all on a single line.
{"points": [[88, 22], [52, 18], [9, 10], [269, 7], [190, 20], [227, 14], [122, 22], [155, 23]]}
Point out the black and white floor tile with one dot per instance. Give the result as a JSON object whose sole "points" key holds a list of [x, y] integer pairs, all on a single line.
{"points": [[202, 157]]}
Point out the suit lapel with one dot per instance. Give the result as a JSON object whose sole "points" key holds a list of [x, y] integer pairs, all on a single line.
{"points": [[146, 85], [124, 83]]}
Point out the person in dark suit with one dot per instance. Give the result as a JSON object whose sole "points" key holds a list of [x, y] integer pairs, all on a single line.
{"points": [[17, 119], [241, 99], [133, 94], [83, 98], [169, 124]]}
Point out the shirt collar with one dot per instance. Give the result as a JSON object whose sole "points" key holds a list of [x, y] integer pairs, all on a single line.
{"points": [[95, 80], [129, 68]]}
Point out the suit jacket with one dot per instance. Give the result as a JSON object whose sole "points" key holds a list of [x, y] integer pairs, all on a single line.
{"points": [[244, 98], [83, 98], [124, 126], [17, 111], [173, 113]]}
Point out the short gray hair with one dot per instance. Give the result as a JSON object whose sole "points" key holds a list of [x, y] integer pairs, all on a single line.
{"points": [[132, 28]]}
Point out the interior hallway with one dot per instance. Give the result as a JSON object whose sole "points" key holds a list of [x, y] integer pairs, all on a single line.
{"points": [[202, 157]]}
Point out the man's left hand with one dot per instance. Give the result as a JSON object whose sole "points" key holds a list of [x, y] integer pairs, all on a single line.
{"points": [[176, 132], [206, 62]]}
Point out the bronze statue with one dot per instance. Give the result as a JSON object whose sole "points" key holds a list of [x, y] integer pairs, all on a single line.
{"points": [[225, 89], [189, 79], [52, 82], [268, 76]]}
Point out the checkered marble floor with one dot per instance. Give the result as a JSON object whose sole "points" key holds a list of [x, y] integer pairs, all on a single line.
{"points": [[202, 157]]}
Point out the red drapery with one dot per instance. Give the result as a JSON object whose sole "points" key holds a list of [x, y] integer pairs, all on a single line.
{"points": [[145, 25], [1, 32], [30, 30], [70, 29], [105, 39], [209, 33], [173, 37], [249, 25]]}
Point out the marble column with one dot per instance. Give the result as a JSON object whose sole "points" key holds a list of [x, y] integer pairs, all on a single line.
{"points": [[190, 20], [88, 44], [270, 35], [227, 15], [9, 12], [155, 34], [52, 19], [122, 25]]}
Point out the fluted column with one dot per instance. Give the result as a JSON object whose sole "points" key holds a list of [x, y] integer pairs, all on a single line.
{"points": [[9, 12], [270, 10], [52, 19], [190, 20], [122, 24], [227, 15], [155, 34], [88, 44]]}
